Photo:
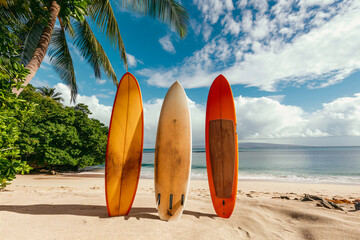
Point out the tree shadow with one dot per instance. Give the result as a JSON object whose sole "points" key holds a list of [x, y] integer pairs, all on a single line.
{"points": [[58, 209], [89, 211]]}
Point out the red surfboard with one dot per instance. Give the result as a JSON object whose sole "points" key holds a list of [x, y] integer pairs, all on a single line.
{"points": [[221, 147]]}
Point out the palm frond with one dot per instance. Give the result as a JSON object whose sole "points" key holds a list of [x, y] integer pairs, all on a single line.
{"points": [[17, 10], [103, 15], [30, 39], [61, 60], [168, 11], [66, 24], [3, 3], [11, 12], [50, 93], [91, 49]]}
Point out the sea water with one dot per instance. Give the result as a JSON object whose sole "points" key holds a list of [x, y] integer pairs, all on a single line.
{"points": [[301, 164]]}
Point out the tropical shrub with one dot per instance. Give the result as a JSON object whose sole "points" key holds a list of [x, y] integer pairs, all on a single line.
{"points": [[12, 110], [60, 138]]}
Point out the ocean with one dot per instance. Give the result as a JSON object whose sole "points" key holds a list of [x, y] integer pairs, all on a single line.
{"points": [[334, 165]]}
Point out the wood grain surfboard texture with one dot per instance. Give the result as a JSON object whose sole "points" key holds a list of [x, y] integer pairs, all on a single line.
{"points": [[222, 156], [221, 147], [124, 148], [173, 154]]}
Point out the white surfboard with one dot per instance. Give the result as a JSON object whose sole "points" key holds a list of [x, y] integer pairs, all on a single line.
{"points": [[173, 154]]}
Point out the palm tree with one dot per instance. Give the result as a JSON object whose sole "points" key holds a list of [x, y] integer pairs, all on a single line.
{"points": [[41, 35], [50, 93]]}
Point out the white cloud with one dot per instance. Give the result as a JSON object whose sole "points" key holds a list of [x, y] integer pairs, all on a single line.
{"points": [[102, 95], [258, 119], [151, 118], [241, 4], [206, 31], [44, 67], [167, 44], [204, 28], [99, 111], [247, 21], [266, 119], [131, 60], [230, 25], [46, 60], [213, 9], [260, 5], [36, 82], [45, 64], [195, 71], [312, 3], [101, 81], [314, 46], [75, 52], [278, 98], [195, 26], [197, 112], [339, 117]]}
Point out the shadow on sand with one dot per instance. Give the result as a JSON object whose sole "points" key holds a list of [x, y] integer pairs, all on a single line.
{"points": [[151, 213], [58, 209], [89, 210]]}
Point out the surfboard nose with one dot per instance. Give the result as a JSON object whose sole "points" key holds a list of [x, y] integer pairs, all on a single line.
{"points": [[177, 84], [177, 88]]}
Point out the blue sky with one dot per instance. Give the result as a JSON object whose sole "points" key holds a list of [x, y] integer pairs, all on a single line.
{"points": [[293, 66]]}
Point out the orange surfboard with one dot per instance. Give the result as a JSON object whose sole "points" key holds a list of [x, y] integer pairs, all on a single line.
{"points": [[221, 147], [124, 147]]}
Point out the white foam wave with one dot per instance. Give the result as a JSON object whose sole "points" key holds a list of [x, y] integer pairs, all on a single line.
{"points": [[326, 179]]}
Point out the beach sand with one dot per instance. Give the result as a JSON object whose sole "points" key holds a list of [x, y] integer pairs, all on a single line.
{"points": [[74, 207]]}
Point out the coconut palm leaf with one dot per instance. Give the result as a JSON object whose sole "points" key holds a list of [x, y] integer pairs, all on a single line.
{"points": [[50, 93], [17, 10], [103, 15], [91, 49], [61, 60], [168, 11], [3, 3], [30, 39], [30, 20], [66, 24]]}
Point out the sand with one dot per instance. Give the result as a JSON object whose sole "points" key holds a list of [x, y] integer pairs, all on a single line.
{"points": [[72, 207]]}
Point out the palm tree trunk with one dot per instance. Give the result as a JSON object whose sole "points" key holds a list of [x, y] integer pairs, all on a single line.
{"points": [[42, 46]]}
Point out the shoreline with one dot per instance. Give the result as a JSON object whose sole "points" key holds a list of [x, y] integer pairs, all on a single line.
{"points": [[99, 174]]}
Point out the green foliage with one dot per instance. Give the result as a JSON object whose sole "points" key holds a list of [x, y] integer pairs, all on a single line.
{"points": [[10, 68], [77, 9], [26, 20], [12, 110], [91, 49], [168, 11], [103, 15], [61, 60], [61, 138]]}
